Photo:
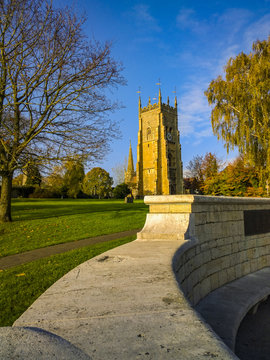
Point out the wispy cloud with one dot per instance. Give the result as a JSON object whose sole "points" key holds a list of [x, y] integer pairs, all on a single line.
{"points": [[194, 116], [186, 19], [234, 16], [143, 18], [231, 23], [258, 30], [228, 34]]}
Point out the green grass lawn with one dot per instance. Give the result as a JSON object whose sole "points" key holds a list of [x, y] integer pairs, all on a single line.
{"points": [[20, 286], [42, 222]]}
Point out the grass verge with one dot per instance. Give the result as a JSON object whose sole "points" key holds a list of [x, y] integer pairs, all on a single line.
{"points": [[41, 222], [22, 285]]}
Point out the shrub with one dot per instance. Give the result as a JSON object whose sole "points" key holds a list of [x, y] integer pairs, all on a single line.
{"points": [[121, 191], [22, 191], [42, 193]]}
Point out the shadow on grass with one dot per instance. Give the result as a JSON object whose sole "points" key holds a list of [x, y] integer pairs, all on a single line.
{"points": [[32, 209]]}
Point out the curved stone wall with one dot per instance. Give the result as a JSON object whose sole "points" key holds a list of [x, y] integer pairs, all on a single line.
{"points": [[215, 245]]}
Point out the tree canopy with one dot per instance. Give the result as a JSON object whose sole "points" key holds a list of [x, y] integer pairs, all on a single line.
{"points": [[200, 170], [55, 179], [97, 182], [236, 179], [52, 89], [33, 176], [121, 191], [241, 105], [73, 178]]}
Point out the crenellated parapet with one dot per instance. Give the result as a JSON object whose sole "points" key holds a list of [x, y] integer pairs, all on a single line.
{"points": [[159, 105], [155, 106], [149, 107], [168, 108]]}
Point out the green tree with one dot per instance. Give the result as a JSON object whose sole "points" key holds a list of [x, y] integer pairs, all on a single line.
{"points": [[33, 175], [210, 168], [55, 180], [97, 182], [237, 179], [200, 172], [121, 191], [74, 176], [53, 85], [210, 165], [241, 179], [241, 105], [18, 180], [191, 185], [194, 179]]}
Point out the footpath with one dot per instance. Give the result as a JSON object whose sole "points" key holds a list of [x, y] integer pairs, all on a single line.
{"points": [[28, 256]]}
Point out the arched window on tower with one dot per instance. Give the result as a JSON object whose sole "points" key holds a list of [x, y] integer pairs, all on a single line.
{"points": [[148, 133]]}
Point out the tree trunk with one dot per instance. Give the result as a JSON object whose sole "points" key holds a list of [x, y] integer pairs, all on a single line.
{"points": [[5, 202]]}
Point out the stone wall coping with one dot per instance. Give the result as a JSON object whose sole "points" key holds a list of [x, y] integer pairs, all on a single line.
{"points": [[193, 199]]}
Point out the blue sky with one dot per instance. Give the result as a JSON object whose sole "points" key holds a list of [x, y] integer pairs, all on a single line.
{"points": [[183, 43]]}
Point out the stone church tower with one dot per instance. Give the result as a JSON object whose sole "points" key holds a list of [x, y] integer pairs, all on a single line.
{"points": [[159, 168]]}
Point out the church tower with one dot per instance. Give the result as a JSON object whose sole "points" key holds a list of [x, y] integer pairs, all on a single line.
{"points": [[159, 167]]}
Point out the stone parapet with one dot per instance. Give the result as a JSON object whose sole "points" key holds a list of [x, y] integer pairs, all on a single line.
{"points": [[214, 248], [126, 303]]}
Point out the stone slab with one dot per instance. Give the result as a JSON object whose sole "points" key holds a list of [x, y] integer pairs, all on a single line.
{"points": [[126, 304], [22, 343]]}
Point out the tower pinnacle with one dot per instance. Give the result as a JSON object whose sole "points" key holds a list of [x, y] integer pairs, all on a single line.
{"points": [[159, 97]]}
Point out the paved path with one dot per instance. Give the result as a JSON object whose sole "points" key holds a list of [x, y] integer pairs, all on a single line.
{"points": [[126, 304], [28, 256]]}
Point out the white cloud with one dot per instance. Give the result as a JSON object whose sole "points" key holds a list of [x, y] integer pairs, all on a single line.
{"points": [[258, 30], [231, 23], [234, 16], [186, 19], [231, 32], [222, 59], [194, 114], [144, 19]]}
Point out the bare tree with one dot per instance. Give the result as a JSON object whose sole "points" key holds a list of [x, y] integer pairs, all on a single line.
{"points": [[119, 172], [52, 85]]}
